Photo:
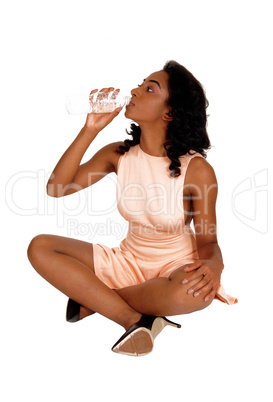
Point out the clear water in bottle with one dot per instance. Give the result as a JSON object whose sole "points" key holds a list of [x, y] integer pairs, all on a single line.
{"points": [[99, 102]]}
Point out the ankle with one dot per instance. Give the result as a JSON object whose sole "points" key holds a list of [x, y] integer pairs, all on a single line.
{"points": [[131, 320], [85, 312]]}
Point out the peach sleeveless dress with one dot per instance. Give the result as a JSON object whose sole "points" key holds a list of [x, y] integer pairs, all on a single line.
{"points": [[158, 241]]}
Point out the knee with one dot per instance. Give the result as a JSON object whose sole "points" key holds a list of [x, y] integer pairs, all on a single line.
{"points": [[179, 274], [37, 246], [180, 301]]}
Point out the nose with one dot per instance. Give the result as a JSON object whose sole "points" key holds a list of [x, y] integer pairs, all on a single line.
{"points": [[134, 91]]}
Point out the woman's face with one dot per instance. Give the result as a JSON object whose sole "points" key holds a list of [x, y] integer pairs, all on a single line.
{"points": [[149, 101]]}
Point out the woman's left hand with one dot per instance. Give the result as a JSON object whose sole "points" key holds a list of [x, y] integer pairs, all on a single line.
{"points": [[208, 285]]}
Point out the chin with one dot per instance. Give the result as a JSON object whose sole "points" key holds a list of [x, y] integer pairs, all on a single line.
{"points": [[128, 115]]}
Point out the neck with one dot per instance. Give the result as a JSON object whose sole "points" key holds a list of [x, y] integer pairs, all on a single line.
{"points": [[152, 140]]}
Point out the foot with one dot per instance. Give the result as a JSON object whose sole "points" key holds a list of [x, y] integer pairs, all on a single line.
{"points": [[133, 319], [137, 340]]}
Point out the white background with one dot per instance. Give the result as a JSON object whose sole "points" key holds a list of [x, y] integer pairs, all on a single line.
{"points": [[53, 48]]}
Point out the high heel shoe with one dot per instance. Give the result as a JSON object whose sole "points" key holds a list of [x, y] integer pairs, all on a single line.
{"points": [[139, 339], [72, 311]]}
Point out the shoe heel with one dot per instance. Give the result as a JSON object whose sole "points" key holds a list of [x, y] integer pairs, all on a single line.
{"points": [[173, 324], [161, 322]]}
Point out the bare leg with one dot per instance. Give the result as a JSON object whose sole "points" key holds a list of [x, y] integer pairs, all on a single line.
{"points": [[164, 296], [85, 312], [68, 265]]}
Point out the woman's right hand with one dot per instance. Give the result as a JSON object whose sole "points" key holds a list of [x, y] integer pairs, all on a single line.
{"points": [[97, 121]]}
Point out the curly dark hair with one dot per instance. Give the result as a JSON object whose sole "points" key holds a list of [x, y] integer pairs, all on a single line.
{"points": [[187, 131]]}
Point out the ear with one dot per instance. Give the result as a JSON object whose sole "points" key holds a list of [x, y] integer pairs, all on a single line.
{"points": [[167, 116]]}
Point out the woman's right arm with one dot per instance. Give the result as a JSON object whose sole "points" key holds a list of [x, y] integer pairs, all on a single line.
{"points": [[69, 176]]}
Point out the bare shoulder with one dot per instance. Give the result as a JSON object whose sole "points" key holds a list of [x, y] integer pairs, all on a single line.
{"points": [[112, 147], [200, 172]]}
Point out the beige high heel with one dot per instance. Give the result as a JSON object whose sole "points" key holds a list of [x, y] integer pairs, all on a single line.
{"points": [[139, 339]]}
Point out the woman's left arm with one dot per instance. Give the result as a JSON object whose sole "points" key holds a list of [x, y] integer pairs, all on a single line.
{"points": [[203, 189]]}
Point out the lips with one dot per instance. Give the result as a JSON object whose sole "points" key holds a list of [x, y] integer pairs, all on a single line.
{"points": [[131, 104]]}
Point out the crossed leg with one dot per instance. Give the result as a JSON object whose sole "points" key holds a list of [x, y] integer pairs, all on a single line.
{"points": [[164, 296], [68, 265]]}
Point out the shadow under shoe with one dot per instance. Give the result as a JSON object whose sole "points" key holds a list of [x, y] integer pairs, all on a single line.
{"points": [[139, 339]]}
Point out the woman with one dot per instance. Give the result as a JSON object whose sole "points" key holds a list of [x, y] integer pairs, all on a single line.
{"points": [[164, 182]]}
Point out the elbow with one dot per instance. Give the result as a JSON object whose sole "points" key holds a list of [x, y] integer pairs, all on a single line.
{"points": [[51, 193], [58, 190], [51, 190]]}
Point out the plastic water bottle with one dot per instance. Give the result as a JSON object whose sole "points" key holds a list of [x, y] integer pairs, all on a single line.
{"points": [[99, 102]]}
